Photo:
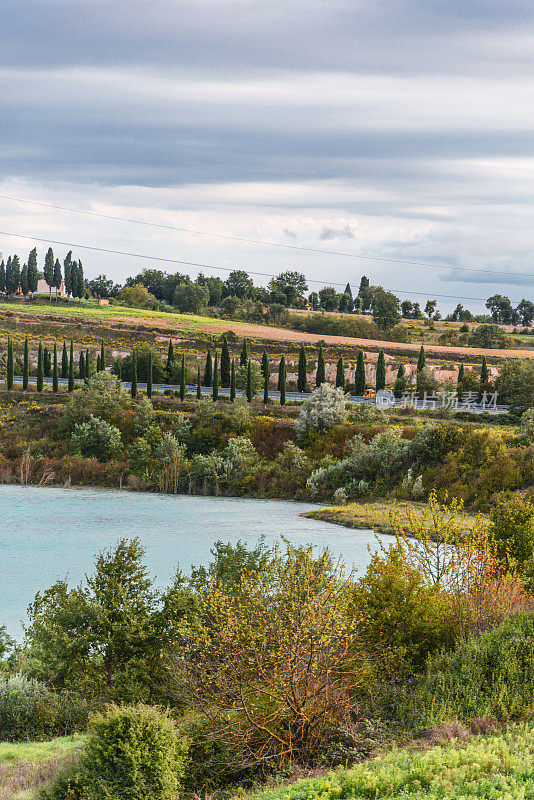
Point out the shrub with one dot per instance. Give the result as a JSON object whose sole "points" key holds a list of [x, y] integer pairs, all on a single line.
{"points": [[513, 529], [30, 710], [325, 408], [136, 296], [488, 675], [131, 752], [104, 397], [97, 438]]}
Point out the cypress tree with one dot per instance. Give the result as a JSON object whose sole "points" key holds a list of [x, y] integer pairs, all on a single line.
{"points": [[199, 392], [40, 368], [133, 387], [98, 362], [47, 362], [55, 372], [2, 276], [232, 381], [149, 375], [266, 385], [102, 357], [71, 367], [182, 379], [421, 361], [26, 370], [340, 374], [249, 381], [24, 280], [264, 364], [32, 274], [225, 363], [484, 372], [399, 386], [303, 370], [64, 361], [215, 387], [87, 365], [170, 359], [118, 367], [49, 270], [282, 380], [208, 370], [57, 276], [320, 375], [359, 376], [81, 365], [243, 358], [9, 377], [380, 372], [461, 373], [67, 273]]}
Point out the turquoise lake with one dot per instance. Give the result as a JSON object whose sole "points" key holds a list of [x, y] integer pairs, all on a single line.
{"points": [[49, 533]]}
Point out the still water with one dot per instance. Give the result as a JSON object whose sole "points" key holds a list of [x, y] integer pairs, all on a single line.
{"points": [[48, 533]]}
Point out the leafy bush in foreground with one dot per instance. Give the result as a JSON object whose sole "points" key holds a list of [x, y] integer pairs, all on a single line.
{"points": [[487, 767], [30, 710], [132, 752], [491, 675]]}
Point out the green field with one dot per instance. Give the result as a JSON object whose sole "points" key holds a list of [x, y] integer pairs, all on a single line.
{"points": [[26, 767]]}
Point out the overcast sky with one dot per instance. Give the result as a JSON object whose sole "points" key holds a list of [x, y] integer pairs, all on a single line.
{"points": [[402, 130]]}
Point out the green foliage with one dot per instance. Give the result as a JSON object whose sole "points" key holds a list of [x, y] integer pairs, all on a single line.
{"points": [[401, 382], [381, 371], [426, 383], [489, 337], [144, 354], [256, 378], [136, 296], [491, 675], [340, 374], [96, 438], [104, 397], [515, 383], [359, 376], [31, 710], [190, 297], [325, 408], [404, 617], [512, 529], [320, 375], [131, 752], [421, 361]]}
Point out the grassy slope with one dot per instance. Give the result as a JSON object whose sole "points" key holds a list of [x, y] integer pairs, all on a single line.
{"points": [[195, 324], [26, 767], [372, 516], [497, 766]]}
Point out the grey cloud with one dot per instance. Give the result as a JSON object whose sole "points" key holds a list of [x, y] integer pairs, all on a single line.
{"points": [[327, 234], [457, 275], [290, 234]]}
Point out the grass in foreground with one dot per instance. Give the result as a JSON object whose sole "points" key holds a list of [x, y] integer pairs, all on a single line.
{"points": [[497, 767], [374, 516], [25, 768]]}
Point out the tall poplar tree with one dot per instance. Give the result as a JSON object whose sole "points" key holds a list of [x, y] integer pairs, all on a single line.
{"points": [[87, 365], [359, 376], [40, 368], [282, 380], [64, 362], [55, 372], [380, 372], [58, 277], [232, 381], [71, 367], [9, 376], [81, 365], [302, 376], [26, 366], [249, 382], [243, 358], [47, 362], [199, 391], [484, 372], [340, 374], [266, 384], [49, 270], [170, 359], [421, 361], [33, 275], [215, 386], [264, 364], [208, 370], [320, 375], [182, 379], [225, 363], [149, 375], [133, 385], [24, 280], [67, 273]]}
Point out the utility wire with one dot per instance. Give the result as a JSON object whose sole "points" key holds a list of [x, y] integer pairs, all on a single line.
{"points": [[211, 266], [264, 243]]}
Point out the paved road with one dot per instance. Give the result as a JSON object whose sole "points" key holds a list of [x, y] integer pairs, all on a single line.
{"points": [[295, 396]]}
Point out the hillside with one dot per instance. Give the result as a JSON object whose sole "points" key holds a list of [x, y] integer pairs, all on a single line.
{"points": [[496, 766]]}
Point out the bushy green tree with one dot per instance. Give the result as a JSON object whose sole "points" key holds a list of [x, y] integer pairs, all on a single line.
{"points": [[325, 408], [512, 529], [96, 438], [144, 355]]}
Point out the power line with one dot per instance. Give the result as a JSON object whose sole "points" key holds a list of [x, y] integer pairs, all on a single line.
{"points": [[212, 266], [264, 243]]}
